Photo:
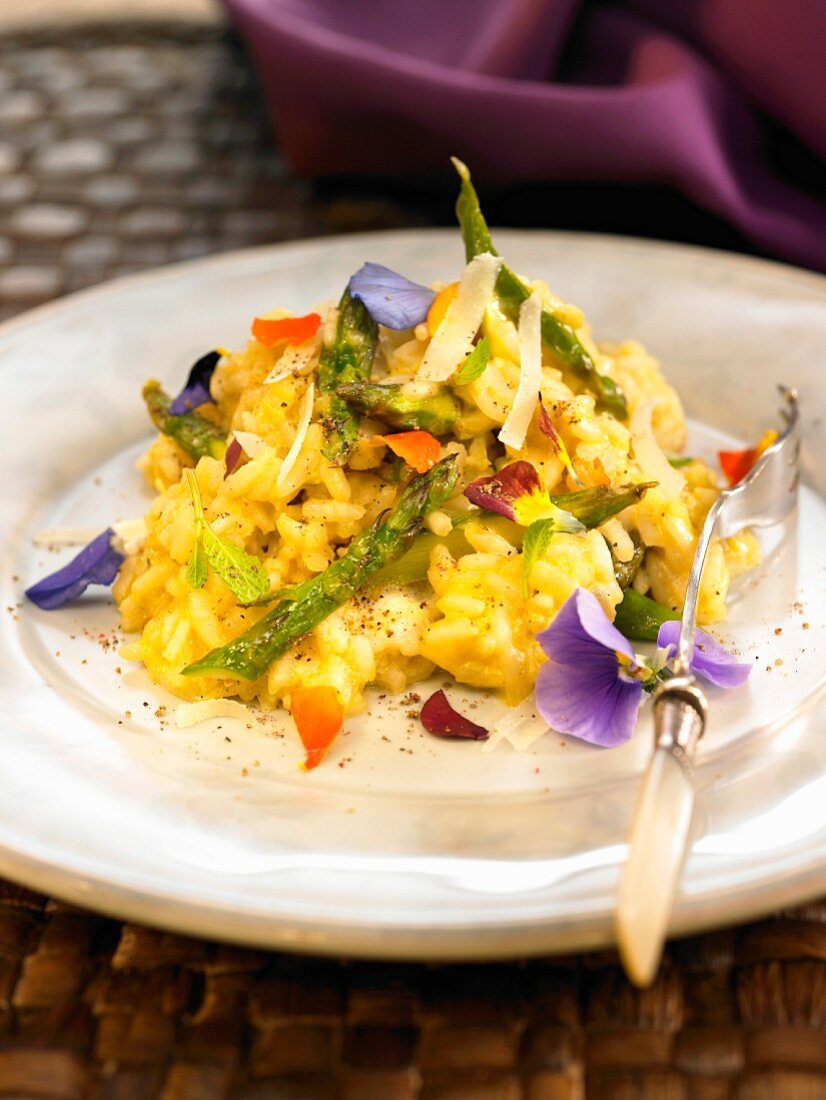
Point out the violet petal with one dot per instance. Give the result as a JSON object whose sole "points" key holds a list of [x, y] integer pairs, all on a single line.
{"points": [[97, 563], [579, 624], [442, 720], [499, 492], [391, 299], [708, 658], [196, 391], [581, 690], [589, 701]]}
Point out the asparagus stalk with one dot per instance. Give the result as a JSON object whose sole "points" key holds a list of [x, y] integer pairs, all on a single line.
{"points": [[640, 617], [350, 359], [193, 433], [436, 412], [511, 291], [250, 655], [590, 506], [625, 571]]}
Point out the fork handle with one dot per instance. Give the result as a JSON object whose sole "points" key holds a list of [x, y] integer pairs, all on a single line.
{"points": [[660, 830]]}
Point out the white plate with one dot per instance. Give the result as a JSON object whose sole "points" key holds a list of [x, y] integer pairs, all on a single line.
{"points": [[413, 846]]}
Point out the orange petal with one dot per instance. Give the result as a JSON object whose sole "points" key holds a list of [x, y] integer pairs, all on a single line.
{"points": [[318, 714], [736, 464], [438, 307], [290, 330], [419, 449]]}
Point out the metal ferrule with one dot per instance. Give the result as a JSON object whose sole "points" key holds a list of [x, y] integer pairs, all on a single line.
{"points": [[679, 718]]}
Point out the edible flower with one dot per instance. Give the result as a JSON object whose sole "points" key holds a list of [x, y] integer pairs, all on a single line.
{"points": [[391, 299], [97, 563], [593, 682], [232, 456], [196, 390], [441, 304], [418, 449], [442, 720], [708, 658], [516, 492], [319, 715], [736, 464], [546, 426], [285, 330]]}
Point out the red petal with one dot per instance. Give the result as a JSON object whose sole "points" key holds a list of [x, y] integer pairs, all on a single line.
{"points": [[499, 492], [736, 464], [439, 718], [232, 455]]}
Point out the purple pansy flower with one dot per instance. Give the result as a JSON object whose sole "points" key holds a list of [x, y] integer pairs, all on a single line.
{"points": [[593, 682], [390, 298], [97, 563], [708, 658], [196, 391], [584, 690]]}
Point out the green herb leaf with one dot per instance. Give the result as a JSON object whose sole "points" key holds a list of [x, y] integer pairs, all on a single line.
{"points": [[196, 571], [243, 574], [680, 461], [474, 365], [535, 543]]}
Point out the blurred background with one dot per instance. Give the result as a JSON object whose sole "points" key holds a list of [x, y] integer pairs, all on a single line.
{"points": [[150, 131]]}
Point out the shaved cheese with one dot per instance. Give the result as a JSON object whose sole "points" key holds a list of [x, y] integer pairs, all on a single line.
{"points": [[296, 360], [190, 714], [454, 337], [252, 444], [521, 728], [305, 415], [649, 456], [518, 420], [129, 534]]}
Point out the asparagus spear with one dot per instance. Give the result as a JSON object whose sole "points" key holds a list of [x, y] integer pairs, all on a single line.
{"points": [[625, 571], [594, 506], [436, 412], [250, 655], [350, 359], [511, 291], [640, 617], [193, 433], [590, 506]]}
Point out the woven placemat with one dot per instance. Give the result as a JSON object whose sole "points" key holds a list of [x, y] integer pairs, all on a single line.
{"points": [[121, 148]]}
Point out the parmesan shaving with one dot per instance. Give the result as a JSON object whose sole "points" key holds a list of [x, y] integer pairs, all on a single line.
{"points": [[521, 727], [453, 339], [518, 420], [190, 714], [252, 444], [294, 361], [649, 456], [129, 534], [305, 415]]}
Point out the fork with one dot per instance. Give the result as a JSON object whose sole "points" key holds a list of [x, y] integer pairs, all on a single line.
{"points": [[662, 817]]}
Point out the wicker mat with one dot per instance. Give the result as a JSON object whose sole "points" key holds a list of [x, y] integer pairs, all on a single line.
{"points": [[123, 147]]}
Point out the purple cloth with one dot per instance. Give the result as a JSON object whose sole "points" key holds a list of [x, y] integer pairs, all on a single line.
{"points": [[659, 91]]}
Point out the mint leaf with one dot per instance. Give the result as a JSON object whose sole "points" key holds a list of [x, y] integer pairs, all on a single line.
{"points": [[196, 571], [474, 364], [243, 574], [535, 543]]}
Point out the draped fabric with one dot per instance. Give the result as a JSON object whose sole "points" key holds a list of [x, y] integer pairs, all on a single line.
{"points": [[680, 93]]}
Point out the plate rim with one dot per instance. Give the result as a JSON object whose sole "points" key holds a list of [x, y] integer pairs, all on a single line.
{"points": [[216, 919]]}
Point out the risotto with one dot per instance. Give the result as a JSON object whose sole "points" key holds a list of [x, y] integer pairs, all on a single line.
{"points": [[296, 448]]}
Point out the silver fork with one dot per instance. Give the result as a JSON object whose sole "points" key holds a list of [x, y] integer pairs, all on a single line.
{"points": [[662, 817]]}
